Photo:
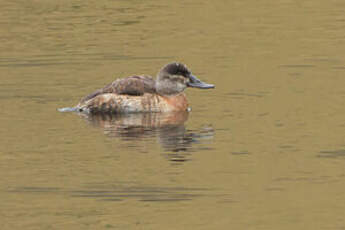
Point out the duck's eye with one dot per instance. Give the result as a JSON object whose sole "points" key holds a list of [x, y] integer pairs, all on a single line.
{"points": [[183, 73]]}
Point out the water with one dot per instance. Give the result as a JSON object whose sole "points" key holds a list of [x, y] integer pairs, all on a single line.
{"points": [[264, 150]]}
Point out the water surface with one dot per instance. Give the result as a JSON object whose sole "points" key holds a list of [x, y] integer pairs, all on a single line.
{"points": [[264, 150]]}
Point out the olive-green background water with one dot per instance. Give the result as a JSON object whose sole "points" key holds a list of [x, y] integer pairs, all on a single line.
{"points": [[264, 150]]}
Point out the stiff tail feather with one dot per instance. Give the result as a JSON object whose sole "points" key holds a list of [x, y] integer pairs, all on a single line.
{"points": [[69, 109]]}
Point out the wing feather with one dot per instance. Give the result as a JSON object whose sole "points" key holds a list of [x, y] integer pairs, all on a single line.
{"points": [[134, 85]]}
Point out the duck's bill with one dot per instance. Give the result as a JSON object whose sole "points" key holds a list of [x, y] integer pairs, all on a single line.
{"points": [[194, 82]]}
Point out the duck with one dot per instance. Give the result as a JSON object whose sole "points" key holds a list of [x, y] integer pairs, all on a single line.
{"points": [[142, 93]]}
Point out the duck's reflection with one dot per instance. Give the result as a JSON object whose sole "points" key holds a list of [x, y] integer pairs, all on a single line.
{"points": [[169, 128]]}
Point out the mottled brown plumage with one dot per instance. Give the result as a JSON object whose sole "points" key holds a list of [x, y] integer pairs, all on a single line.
{"points": [[148, 102]]}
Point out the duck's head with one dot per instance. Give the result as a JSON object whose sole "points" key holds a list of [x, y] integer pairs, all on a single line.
{"points": [[175, 77]]}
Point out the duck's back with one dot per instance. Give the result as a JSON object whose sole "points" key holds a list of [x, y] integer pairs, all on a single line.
{"points": [[134, 85]]}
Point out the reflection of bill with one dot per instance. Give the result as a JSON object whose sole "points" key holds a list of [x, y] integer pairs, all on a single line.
{"points": [[169, 128]]}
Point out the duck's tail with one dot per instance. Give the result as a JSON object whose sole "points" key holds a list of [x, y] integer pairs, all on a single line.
{"points": [[77, 109], [69, 109]]}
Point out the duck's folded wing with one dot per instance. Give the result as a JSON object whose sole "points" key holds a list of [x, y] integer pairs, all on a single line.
{"points": [[134, 85]]}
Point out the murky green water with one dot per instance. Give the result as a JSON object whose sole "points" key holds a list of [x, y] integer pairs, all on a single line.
{"points": [[264, 150]]}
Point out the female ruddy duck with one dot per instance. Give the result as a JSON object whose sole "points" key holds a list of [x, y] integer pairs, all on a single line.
{"points": [[143, 93]]}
